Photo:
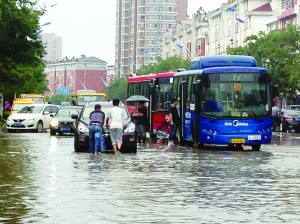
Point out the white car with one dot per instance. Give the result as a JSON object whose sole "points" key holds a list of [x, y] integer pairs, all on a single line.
{"points": [[32, 117]]}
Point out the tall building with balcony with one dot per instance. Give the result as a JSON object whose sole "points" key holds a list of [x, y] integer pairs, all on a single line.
{"points": [[228, 26], [140, 25], [53, 47]]}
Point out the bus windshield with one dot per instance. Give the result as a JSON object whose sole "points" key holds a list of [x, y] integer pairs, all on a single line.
{"points": [[236, 95], [163, 93]]}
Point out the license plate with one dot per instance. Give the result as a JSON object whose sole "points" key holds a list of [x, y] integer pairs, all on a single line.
{"points": [[297, 119], [65, 129], [18, 124], [237, 140], [254, 137]]}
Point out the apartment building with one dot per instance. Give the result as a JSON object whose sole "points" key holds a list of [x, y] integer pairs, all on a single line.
{"points": [[53, 47], [140, 25], [213, 32]]}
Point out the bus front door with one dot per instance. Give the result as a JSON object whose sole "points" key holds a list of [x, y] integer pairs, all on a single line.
{"points": [[186, 116]]}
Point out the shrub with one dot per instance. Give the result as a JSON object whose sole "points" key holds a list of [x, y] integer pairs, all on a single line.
{"points": [[5, 115]]}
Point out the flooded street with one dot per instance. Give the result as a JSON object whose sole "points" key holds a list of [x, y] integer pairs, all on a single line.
{"points": [[42, 180]]}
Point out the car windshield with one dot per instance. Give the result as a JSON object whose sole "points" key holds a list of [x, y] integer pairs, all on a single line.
{"points": [[67, 112], [17, 107], [104, 109], [31, 109], [293, 113], [294, 107]]}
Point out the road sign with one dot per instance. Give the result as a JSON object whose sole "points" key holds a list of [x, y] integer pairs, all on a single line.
{"points": [[63, 90]]}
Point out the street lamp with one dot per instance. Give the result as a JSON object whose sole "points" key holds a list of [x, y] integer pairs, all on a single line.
{"points": [[121, 74], [182, 46], [152, 56], [103, 81], [84, 87], [45, 24]]}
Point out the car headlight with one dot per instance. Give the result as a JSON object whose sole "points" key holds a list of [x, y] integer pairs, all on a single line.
{"points": [[30, 119], [82, 128], [9, 119], [130, 127], [54, 123]]}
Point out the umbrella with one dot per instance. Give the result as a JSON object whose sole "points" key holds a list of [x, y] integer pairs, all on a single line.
{"points": [[137, 98]]}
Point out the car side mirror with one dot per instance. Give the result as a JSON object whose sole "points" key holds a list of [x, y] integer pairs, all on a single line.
{"points": [[74, 116]]}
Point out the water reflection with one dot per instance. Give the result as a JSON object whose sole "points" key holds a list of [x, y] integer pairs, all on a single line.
{"points": [[44, 181]]}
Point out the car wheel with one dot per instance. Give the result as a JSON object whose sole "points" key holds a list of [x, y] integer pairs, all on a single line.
{"points": [[130, 150], [76, 146], [52, 132], [39, 127], [256, 147], [284, 127], [235, 147], [297, 130]]}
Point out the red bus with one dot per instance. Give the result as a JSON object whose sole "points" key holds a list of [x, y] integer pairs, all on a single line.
{"points": [[138, 85], [158, 89]]}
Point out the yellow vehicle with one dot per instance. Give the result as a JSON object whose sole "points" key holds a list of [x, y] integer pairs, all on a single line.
{"points": [[83, 96], [37, 98], [19, 103]]}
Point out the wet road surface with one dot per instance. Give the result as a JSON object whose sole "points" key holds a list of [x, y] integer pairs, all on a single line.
{"points": [[42, 180]]}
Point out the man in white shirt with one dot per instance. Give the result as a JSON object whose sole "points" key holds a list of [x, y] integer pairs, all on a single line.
{"points": [[116, 126], [275, 115]]}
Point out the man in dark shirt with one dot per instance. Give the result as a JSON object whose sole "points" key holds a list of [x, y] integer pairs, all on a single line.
{"points": [[141, 122], [95, 129], [174, 121]]}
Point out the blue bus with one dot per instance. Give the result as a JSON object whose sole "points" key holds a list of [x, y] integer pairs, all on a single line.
{"points": [[224, 100]]}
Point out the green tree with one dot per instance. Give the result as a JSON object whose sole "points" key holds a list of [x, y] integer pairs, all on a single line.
{"points": [[21, 57], [278, 51], [58, 98], [117, 89], [165, 65]]}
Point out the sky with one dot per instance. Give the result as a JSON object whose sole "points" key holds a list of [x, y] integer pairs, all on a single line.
{"points": [[88, 26]]}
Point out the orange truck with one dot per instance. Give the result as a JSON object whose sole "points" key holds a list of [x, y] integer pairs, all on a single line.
{"points": [[19, 103], [37, 98], [84, 96]]}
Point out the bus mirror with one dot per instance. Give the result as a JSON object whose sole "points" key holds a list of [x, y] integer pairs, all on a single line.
{"points": [[151, 90], [275, 90]]}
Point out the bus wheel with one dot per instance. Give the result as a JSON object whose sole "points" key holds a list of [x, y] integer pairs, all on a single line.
{"points": [[200, 145], [235, 147], [256, 147]]}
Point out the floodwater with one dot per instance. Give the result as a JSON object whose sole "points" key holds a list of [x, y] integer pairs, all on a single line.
{"points": [[42, 180]]}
